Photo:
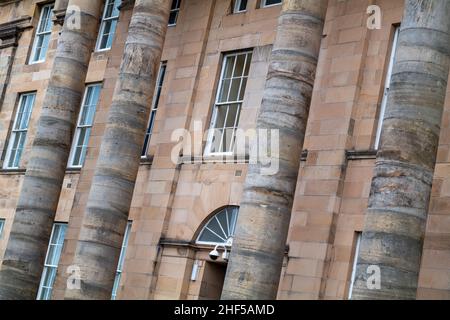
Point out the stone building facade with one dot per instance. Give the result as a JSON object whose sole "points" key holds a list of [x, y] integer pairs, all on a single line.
{"points": [[172, 203]]}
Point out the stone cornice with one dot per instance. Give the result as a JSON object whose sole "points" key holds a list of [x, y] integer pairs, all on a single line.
{"points": [[59, 16], [10, 31], [126, 5]]}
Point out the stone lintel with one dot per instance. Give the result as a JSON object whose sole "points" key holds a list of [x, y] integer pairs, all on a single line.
{"points": [[10, 31]]}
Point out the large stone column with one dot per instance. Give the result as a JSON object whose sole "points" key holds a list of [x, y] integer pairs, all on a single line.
{"points": [[109, 200], [25, 252], [259, 245], [394, 229]]}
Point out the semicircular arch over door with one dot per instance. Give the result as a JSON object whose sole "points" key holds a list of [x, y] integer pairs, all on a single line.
{"points": [[220, 227]]}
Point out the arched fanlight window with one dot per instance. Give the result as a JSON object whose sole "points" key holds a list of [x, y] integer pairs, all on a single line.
{"points": [[220, 228]]}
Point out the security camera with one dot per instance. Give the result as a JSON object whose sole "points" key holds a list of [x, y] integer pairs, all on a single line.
{"points": [[214, 255], [225, 255]]}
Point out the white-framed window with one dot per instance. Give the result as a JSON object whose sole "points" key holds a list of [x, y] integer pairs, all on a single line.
{"points": [[51, 261], [19, 131], [227, 108], [355, 262], [220, 227], [108, 25], [2, 225], [386, 89], [121, 261], [84, 125], [155, 103], [43, 34], [174, 10], [269, 3], [239, 6]]}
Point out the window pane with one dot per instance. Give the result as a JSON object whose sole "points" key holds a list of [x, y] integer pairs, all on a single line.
{"points": [[121, 260], [229, 66], [44, 46], [243, 5], [2, 224], [19, 131], [231, 89], [45, 25], [247, 64], [242, 91], [224, 90], [175, 8], [116, 285], [124, 247], [234, 91], [220, 227], [222, 217], [233, 115], [271, 2], [19, 148], [53, 255], [208, 236], [173, 17], [42, 36], [175, 4], [240, 5], [216, 140], [109, 24], [157, 96], [109, 30], [240, 63], [85, 122], [227, 140], [111, 8], [81, 146]]}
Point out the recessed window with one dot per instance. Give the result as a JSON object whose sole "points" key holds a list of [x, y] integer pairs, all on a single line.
{"points": [[387, 86], [355, 262], [239, 6], [229, 98], [84, 126], [108, 25], [19, 131], [269, 3], [220, 228], [51, 261], [121, 261], [2, 225], [43, 34], [155, 103], [174, 10]]}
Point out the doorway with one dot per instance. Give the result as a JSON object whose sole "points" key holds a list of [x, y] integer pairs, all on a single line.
{"points": [[212, 281]]}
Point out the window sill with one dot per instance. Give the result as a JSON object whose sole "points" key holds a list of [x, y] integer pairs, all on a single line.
{"points": [[18, 171], [73, 170], [269, 6], [361, 154], [214, 159], [21, 171], [146, 161], [36, 62]]}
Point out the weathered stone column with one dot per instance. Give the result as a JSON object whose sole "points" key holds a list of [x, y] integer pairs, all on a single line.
{"points": [[109, 200], [394, 229], [25, 253], [259, 245]]}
